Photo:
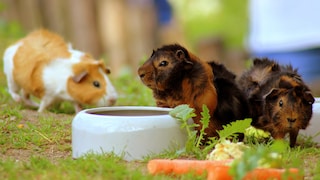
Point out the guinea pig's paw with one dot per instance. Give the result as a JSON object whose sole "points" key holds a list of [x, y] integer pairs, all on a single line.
{"points": [[31, 103], [16, 97]]}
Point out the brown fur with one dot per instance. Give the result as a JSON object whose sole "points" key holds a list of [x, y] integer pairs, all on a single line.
{"points": [[37, 47], [232, 102], [45, 67], [280, 102], [251, 80], [178, 77], [286, 111], [87, 72]]}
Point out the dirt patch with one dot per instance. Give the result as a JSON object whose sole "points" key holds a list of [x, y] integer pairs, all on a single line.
{"points": [[33, 116], [53, 149], [52, 153]]}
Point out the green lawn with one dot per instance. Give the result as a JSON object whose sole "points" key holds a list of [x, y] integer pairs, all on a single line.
{"points": [[38, 146]]}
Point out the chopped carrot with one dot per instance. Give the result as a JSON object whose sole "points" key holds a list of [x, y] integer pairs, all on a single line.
{"points": [[273, 173], [219, 172], [216, 169], [222, 172], [181, 166]]}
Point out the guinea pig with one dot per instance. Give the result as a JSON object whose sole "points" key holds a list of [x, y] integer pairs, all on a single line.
{"points": [[176, 77], [44, 66], [286, 111], [232, 102], [282, 104]]}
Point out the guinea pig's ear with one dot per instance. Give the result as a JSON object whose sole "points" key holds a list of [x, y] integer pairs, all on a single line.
{"points": [[101, 65], [153, 51], [273, 94], [107, 70], [257, 61], [308, 97], [79, 77], [180, 54]]}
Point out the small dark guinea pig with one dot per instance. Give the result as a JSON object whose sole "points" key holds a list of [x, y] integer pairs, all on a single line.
{"points": [[177, 77], [281, 103], [232, 102], [286, 111]]}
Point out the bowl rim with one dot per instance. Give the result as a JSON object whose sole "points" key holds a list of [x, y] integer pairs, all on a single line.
{"points": [[92, 111]]}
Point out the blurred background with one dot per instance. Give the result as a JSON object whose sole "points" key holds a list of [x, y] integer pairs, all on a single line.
{"points": [[124, 32]]}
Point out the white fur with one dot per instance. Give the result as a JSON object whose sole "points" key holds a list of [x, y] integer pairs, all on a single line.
{"points": [[59, 71], [8, 66], [111, 93], [13, 88], [55, 76]]}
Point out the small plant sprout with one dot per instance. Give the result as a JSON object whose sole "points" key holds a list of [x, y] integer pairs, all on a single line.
{"points": [[193, 145]]}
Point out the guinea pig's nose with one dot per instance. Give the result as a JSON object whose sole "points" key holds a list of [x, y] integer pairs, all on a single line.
{"points": [[291, 120], [141, 73], [113, 101]]}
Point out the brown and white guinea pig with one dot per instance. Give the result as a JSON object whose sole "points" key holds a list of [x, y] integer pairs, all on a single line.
{"points": [[177, 77], [42, 65], [282, 104]]}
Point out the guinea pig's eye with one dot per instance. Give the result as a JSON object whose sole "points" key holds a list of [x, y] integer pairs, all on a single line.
{"points": [[280, 103], [96, 84], [163, 63]]}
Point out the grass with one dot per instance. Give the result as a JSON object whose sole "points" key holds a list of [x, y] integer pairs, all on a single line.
{"points": [[38, 146]]}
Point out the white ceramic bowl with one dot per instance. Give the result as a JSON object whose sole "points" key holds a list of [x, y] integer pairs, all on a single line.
{"points": [[314, 127], [130, 131]]}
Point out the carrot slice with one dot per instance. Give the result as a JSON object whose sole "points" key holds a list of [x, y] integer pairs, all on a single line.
{"points": [[222, 172], [219, 172], [215, 169], [181, 166], [272, 173]]}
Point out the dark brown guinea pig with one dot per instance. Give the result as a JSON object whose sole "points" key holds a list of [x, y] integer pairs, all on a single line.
{"points": [[286, 111], [177, 77], [232, 102], [281, 104]]}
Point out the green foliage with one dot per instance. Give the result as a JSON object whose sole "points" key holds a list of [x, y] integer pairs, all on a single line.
{"points": [[208, 18], [47, 137], [183, 113], [89, 167], [316, 171], [205, 119], [231, 130], [269, 156], [254, 135]]}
